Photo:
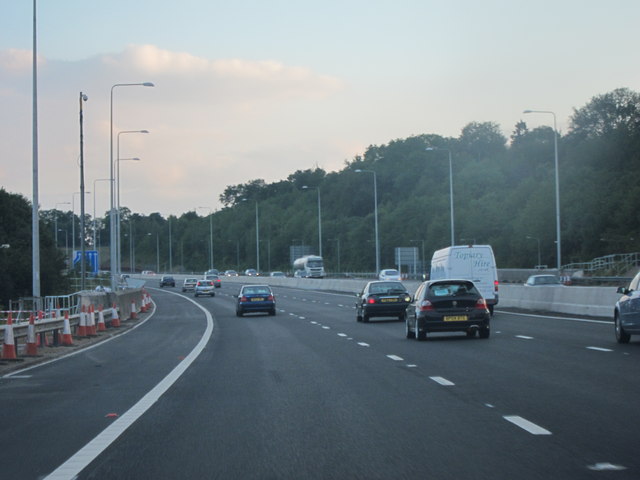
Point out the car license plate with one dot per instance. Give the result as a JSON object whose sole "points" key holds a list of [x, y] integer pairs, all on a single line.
{"points": [[388, 300], [257, 299], [456, 318]]}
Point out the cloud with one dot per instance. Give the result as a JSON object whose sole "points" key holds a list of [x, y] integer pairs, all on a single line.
{"points": [[213, 122]]}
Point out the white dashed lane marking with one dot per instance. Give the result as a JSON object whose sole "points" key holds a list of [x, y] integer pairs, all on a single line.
{"points": [[442, 381], [525, 424], [600, 349], [524, 337], [362, 344], [395, 358]]}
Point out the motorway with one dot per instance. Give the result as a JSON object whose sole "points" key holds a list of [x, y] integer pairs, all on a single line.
{"points": [[196, 392]]}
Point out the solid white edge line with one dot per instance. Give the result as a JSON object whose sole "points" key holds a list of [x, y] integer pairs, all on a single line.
{"points": [[527, 425], [74, 465], [571, 319]]}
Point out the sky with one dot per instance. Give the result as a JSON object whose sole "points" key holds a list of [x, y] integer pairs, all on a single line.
{"points": [[248, 90]]}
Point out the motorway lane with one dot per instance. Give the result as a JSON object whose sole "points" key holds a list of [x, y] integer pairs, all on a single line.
{"points": [[311, 393], [51, 411]]}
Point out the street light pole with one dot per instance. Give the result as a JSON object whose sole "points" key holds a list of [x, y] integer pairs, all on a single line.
{"points": [[118, 220], [112, 214], [319, 219], [538, 240], [83, 270], [210, 235], [555, 151], [375, 214], [55, 218], [95, 244], [431, 149]]}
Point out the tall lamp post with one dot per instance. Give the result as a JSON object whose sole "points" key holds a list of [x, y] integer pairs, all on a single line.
{"points": [[433, 149], [55, 218], [95, 244], [305, 187], [538, 240], [83, 270], [112, 214], [210, 235], [555, 151], [73, 223], [118, 221], [375, 214]]}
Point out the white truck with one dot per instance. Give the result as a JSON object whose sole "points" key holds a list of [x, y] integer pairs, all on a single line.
{"points": [[310, 266], [469, 262]]}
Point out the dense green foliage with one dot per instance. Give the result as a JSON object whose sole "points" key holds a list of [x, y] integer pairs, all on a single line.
{"points": [[504, 192]]}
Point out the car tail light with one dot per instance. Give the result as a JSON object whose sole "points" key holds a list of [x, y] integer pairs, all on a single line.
{"points": [[371, 300], [270, 298], [481, 304], [426, 305], [495, 285], [243, 299]]}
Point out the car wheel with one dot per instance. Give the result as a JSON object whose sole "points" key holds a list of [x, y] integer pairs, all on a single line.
{"points": [[420, 335], [621, 335], [490, 307], [184, 290], [407, 330], [195, 295], [272, 312], [471, 333], [238, 313], [485, 332], [213, 294], [365, 318]]}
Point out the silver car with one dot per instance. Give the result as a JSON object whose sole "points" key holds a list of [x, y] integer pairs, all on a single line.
{"points": [[627, 312], [204, 287]]}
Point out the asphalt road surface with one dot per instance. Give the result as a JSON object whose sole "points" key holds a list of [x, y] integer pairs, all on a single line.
{"points": [[196, 392]]}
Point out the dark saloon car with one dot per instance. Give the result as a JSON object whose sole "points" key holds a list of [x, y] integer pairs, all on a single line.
{"points": [[626, 314], [167, 281], [447, 306], [256, 298], [382, 299]]}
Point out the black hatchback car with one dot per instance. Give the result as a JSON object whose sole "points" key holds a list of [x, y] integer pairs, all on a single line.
{"points": [[447, 306], [382, 299], [167, 281]]}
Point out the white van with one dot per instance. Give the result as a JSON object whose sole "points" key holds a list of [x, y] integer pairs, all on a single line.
{"points": [[469, 262]]}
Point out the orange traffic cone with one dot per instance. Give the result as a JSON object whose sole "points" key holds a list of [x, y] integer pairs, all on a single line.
{"points": [[91, 322], [115, 319], [101, 325], [32, 346], [9, 345], [134, 313], [67, 339], [82, 324]]}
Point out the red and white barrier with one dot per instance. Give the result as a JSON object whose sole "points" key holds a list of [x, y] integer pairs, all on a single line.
{"points": [[134, 313], [9, 345], [67, 339], [32, 345], [101, 325], [115, 318], [82, 324]]}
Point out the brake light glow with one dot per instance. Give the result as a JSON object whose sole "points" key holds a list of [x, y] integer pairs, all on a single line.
{"points": [[243, 299], [270, 298], [426, 305], [371, 300], [495, 285]]}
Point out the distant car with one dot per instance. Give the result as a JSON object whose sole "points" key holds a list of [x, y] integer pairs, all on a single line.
{"points": [[189, 284], [230, 273], [390, 274], [212, 271], [251, 272], [277, 274], [300, 274], [543, 280], [148, 272], [167, 281], [626, 316], [447, 306], [204, 287], [215, 279], [255, 298], [382, 299]]}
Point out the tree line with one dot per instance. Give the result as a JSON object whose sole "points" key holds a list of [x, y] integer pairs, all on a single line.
{"points": [[503, 194]]}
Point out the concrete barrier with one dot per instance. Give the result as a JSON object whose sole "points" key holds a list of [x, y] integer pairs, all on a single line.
{"points": [[587, 301]]}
